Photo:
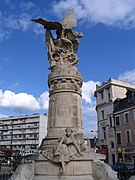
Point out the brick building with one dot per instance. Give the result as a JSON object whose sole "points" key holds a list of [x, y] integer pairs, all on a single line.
{"points": [[124, 116], [106, 94]]}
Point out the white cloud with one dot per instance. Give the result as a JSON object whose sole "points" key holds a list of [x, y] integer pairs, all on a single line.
{"points": [[88, 90], [4, 34], [109, 12], [17, 20], [89, 119], [27, 6], [128, 76], [3, 115], [88, 107], [22, 102], [38, 30], [14, 85], [44, 100], [23, 22], [10, 23]]}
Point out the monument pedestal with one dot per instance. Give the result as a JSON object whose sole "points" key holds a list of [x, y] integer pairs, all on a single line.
{"points": [[75, 170], [86, 168]]}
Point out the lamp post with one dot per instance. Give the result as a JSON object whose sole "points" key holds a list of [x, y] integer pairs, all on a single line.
{"points": [[120, 157]]}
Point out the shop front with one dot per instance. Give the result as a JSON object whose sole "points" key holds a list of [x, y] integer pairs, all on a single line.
{"points": [[129, 155]]}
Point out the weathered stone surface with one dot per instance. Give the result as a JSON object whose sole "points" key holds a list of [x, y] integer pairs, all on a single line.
{"points": [[102, 171], [87, 177], [82, 168], [24, 172], [73, 168]]}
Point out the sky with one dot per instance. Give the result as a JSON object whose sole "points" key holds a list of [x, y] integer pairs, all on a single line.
{"points": [[106, 50]]}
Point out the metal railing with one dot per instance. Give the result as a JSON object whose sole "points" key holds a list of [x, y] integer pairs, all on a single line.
{"points": [[5, 176]]}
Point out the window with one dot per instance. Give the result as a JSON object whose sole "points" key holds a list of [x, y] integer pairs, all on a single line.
{"points": [[112, 144], [34, 130], [117, 120], [104, 132], [110, 119], [134, 96], [35, 135], [108, 93], [102, 114], [128, 136], [118, 135], [102, 94], [127, 118], [35, 124], [24, 136]]}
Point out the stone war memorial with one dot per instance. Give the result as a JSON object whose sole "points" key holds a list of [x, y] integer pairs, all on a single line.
{"points": [[65, 151]]}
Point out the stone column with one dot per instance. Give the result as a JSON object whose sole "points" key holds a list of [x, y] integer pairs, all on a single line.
{"points": [[65, 108]]}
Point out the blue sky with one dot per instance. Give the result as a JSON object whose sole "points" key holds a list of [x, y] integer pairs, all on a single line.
{"points": [[106, 50]]}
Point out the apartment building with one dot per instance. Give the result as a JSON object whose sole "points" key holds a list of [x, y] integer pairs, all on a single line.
{"points": [[106, 94], [23, 133], [124, 116]]}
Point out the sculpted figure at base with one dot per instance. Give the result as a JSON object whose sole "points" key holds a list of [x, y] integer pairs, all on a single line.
{"points": [[62, 49], [66, 148], [70, 145]]}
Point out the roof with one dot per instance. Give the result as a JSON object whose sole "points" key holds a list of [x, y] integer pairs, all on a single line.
{"points": [[128, 101], [112, 81]]}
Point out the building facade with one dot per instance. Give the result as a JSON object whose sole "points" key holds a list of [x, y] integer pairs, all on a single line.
{"points": [[106, 94], [124, 116], [23, 133]]}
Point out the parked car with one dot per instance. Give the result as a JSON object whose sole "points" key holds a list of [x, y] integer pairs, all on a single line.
{"points": [[124, 170]]}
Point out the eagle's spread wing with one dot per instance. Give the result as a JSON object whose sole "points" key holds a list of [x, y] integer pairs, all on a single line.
{"points": [[69, 20], [50, 25]]}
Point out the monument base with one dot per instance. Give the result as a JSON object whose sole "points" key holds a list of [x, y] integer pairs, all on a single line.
{"points": [[86, 168], [75, 170]]}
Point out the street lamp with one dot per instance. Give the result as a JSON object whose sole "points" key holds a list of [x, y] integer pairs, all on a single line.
{"points": [[120, 157]]}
